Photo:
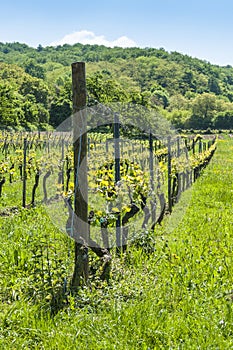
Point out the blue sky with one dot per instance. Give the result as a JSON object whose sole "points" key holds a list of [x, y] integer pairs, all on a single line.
{"points": [[199, 28]]}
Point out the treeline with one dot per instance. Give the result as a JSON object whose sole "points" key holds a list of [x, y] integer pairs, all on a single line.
{"points": [[35, 84]]}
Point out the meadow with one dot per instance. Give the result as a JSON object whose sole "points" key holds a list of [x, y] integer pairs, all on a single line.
{"points": [[172, 289]]}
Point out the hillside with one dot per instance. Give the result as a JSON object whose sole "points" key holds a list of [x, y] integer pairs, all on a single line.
{"points": [[192, 93]]}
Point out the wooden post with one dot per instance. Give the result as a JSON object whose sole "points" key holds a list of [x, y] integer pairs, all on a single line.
{"points": [[151, 165], [88, 146], [106, 146], [193, 146], [81, 227], [117, 174], [178, 147], [151, 160], [62, 163], [200, 146], [169, 167], [24, 171]]}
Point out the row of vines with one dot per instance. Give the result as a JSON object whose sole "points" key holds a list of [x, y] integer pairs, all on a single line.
{"points": [[36, 169], [152, 175]]}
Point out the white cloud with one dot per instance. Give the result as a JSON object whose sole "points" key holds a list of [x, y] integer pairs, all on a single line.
{"points": [[87, 37]]}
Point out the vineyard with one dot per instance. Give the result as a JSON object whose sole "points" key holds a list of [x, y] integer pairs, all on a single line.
{"points": [[37, 169], [134, 180], [169, 288]]}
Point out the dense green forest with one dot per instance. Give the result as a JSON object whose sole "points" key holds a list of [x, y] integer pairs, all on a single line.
{"points": [[35, 84]]}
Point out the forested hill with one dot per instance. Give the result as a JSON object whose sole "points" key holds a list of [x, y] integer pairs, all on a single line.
{"points": [[35, 84]]}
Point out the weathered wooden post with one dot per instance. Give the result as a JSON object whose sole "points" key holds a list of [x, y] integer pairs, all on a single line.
{"points": [[193, 146], [80, 222], [178, 146], [169, 168], [151, 166], [117, 174], [199, 146], [24, 171], [62, 163]]}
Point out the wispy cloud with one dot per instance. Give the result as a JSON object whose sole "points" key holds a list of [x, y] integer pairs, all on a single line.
{"points": [[87, 37]]}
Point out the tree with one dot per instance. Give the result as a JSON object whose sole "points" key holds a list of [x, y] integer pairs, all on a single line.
{"points": [[11, 114], [203, 110], [159, 96], [178, 102], [105, 89], [36, 87], [39, 48], [35, 70], [61, 105], [224, 120], [179, 118], [214, 86], [34, 113], [60, 110], [187, 82]]}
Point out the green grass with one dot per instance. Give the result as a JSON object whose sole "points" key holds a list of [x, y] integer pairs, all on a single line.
{"points": [[177, 297]]}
